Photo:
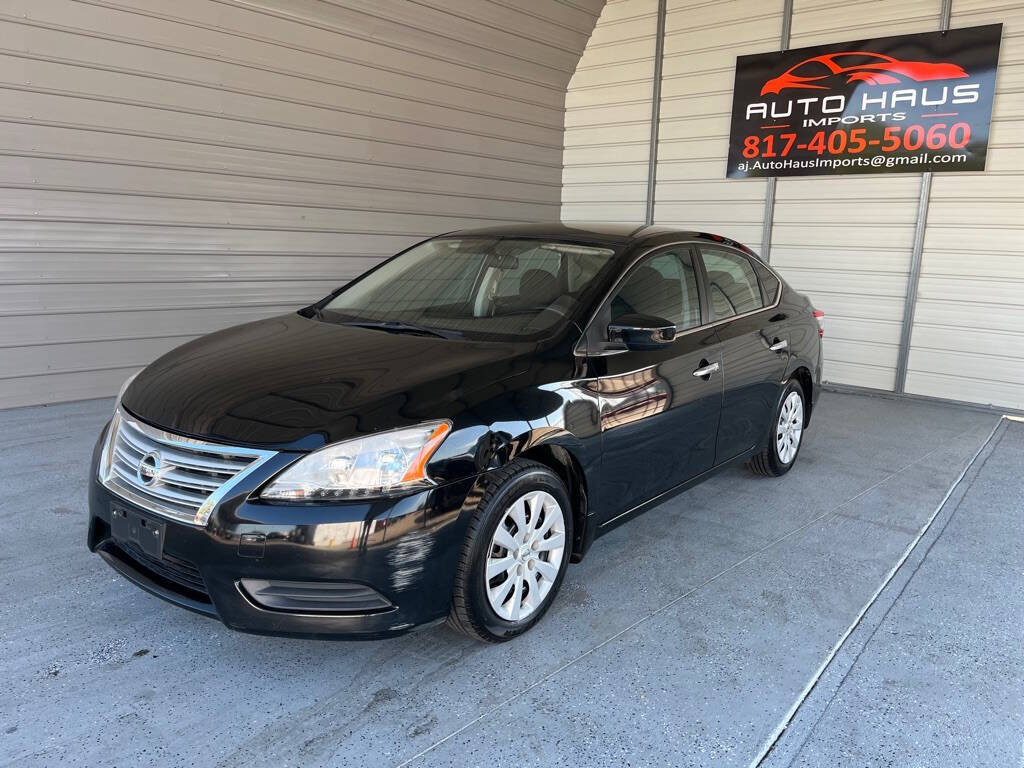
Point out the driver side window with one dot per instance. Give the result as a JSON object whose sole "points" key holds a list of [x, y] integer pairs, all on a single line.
{"points": [[665, 285]]}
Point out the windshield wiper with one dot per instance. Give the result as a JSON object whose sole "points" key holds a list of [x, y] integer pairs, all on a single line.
{"points": [[396, 327]]}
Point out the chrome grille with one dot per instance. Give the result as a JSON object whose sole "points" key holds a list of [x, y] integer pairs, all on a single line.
{"points": [[177, 477]]}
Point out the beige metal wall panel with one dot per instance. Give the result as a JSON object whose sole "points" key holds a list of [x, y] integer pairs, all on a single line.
{"points": [[608, 110], [171, 167], [847, 241], [608, 117], [968, 342], [702, 41]]}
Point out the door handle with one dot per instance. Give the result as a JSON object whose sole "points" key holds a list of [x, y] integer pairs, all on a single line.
{"points": [[705, 372], [778, 346]]}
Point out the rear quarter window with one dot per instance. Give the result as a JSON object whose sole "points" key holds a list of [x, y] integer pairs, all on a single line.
{"points": [[770, 284]]}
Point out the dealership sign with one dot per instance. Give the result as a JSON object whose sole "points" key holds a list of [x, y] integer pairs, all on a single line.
{"points": [[891, 105]]}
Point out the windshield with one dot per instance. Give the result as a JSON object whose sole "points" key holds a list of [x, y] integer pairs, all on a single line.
{"points": [[476, 288]]}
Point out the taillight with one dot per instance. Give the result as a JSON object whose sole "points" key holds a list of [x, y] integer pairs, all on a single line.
{"points": [[820, 317]]}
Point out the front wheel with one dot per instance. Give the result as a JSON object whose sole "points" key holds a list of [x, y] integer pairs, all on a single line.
{"points": [[779, 455], [515, 554]]}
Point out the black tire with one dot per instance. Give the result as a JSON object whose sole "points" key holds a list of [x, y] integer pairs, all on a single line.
{"points": [[768, 463], [471, 612]]}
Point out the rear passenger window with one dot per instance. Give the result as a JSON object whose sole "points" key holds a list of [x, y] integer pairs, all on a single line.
{"points": [[732, 283]]}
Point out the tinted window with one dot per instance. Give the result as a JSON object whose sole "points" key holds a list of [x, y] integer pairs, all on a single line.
{"points": [[480, 288], [769, 283], [732, 283], [665, 286]]}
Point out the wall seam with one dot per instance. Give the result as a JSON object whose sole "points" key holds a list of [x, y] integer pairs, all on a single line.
{"points": [[652, 157], [916, 255], [769, 193]]}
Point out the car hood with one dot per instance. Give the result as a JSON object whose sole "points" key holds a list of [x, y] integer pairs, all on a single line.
{"points": [[296, 382]]}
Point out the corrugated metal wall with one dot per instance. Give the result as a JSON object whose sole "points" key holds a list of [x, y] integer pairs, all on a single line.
{"points": [[968, 339], [702, 41], [608, 117], [170, 167], [846, 241], [609, 110]]}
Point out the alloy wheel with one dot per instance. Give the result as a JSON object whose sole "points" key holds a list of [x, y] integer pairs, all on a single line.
{"points": [[790, 427], [525, 555]]}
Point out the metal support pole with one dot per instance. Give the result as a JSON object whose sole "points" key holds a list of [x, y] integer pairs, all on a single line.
{"points": [[769, 220], [769, 195], [652, 158], [914, 277]]}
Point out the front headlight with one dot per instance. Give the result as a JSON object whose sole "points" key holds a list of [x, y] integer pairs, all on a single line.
{"points": [[376, 465]]}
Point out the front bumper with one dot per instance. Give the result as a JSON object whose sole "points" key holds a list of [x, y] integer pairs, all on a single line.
{"points": [[405, 549]]}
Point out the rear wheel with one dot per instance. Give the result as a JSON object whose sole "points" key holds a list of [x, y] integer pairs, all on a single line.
{"points": [[515, 554], [783, 446]]}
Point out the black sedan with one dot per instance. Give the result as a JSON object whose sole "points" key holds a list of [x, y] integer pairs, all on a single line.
{"points": [[442, 436]]}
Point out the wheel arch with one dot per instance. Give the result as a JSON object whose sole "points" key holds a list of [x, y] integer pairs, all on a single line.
{"points": [[801, 373], [564, 463]]}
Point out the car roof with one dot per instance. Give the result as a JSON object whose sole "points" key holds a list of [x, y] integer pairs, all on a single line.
{"points": [[621, 236]]}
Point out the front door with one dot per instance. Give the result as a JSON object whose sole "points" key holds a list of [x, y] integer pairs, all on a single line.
{"points": [[658, 419], [755, 349]]}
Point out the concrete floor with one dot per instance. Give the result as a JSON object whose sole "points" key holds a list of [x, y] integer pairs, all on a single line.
{"points": [[690, 648]]}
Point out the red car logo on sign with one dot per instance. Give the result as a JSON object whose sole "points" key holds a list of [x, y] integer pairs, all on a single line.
{"points": [[823, 73]]}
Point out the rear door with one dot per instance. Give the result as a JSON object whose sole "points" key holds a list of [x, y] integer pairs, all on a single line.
{"points": [[755, 349], [659, 421]]}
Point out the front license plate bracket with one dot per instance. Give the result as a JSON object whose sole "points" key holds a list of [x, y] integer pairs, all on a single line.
{"points": [[130, 526]]}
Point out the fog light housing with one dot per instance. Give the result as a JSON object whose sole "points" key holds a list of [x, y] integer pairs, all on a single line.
{"points": [[314, 597]]}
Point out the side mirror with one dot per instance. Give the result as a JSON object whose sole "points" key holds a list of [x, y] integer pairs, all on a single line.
{"points": [[642, 331]]}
